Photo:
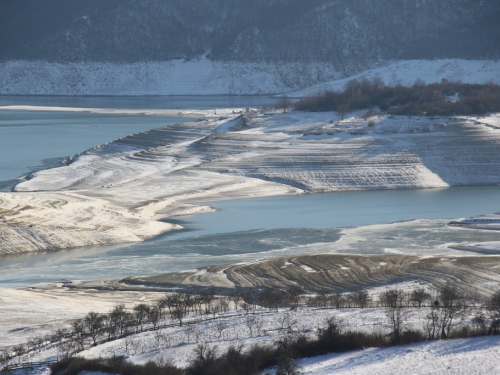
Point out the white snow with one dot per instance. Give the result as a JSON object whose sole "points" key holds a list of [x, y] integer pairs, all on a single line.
{"points": [[176, 77], [117, 192], [205, 77], [479, 356], [407, 72]]}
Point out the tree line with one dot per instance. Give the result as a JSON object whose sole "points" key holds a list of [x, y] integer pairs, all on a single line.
{"points": [[437, 99]]}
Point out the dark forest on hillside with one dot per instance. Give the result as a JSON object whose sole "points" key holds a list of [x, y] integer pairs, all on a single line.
{"points": [[348, 33]]}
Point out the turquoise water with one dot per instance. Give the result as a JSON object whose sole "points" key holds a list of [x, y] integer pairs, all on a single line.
{"points": [[143, 102], [31, 140], [34, 140], [344, 209]]}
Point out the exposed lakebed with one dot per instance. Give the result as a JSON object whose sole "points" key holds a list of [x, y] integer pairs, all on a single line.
{"points": [[247, 230]]}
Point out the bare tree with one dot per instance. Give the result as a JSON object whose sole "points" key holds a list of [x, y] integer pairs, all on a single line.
{"points": [[250, 322], [224, 304], [397, 317], [118, 321], [78, 332], [479, 324], [342, 110], [338, 300], [287, 322], [235, 297], [207, 297], [94, 324], [160, 305], [179, 312], [452, 306], [284, 102], [392, 298], [359, 298], [419, 296], [178, 304], [494, 312], [154, 316], [294, 293], [396, 314], [221, 325], [273, 298], [432, 322], [141, 312]]}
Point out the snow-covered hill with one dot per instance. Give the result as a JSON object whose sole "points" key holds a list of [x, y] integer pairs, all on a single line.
{"points": [[175, 77], [430, 71], [205, 77]]}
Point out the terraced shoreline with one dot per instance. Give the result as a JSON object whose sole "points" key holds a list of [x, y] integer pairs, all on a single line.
{"points": [[127, 190], [327, 273]]}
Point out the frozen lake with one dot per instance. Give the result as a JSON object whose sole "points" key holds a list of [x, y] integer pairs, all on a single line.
{"points": [[248, 230]]}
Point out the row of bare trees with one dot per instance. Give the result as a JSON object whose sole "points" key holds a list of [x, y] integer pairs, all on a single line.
{"points": [[446, 306], [97, 327], [361, 299]]}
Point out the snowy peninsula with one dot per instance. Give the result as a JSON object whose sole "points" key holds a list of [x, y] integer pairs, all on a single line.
{"points": [[128, 189]]}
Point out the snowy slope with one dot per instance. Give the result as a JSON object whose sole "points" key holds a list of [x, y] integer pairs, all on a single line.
{"points": [[177, 344], [206, 77], [175, 77], [466, 356], [430, 71]]}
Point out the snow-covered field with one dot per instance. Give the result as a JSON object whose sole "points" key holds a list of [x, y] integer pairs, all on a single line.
{"points": [[177, 344], [206, 77], [475, 356]]}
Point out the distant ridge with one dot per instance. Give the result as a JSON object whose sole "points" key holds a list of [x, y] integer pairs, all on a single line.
{"points": [[338, 31], [152, 47]]}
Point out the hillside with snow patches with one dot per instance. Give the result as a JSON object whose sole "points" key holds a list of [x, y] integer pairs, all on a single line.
{"points": [[206, 77], [177, 344]]}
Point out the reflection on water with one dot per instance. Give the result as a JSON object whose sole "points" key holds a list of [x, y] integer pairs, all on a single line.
{"points": [[235, 234]]}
